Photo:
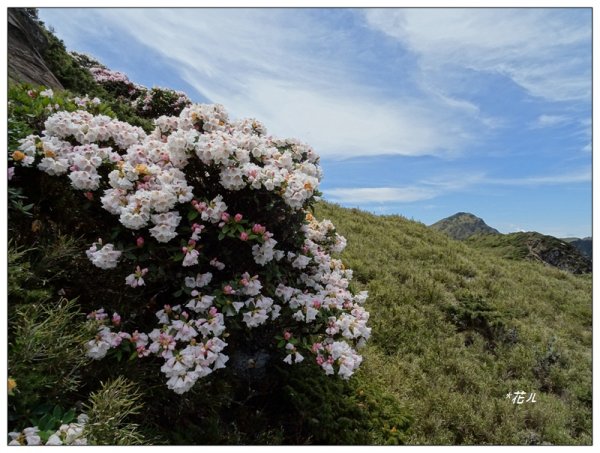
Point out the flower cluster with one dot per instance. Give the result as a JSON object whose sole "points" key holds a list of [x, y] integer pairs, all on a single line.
{"points": [[187, 340], [67, 434], [160, 101], [179, 183], [115, 81]]}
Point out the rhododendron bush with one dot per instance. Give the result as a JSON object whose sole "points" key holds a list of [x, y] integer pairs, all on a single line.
{"points": [[215, 216]]}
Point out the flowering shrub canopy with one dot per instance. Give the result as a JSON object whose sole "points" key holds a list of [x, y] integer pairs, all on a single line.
{"points": [[221, 208]]}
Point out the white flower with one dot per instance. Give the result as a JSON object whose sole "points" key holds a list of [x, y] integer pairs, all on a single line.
{"points": [[105, 258], [97, 349], [54, 439], [191, 258]]}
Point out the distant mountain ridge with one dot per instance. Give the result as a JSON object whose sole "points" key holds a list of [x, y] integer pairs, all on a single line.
{"points": [[535, 246], [463, 225], [572, 254], [584, 245]]}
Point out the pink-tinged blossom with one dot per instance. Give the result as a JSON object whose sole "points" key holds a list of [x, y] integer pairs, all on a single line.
{"points": [[140, 339], [216, 263], [139, 242], [196, 231], [136, 279], [191, 257], [97, 315], [244, 236], [11, 173], [238, 217]]}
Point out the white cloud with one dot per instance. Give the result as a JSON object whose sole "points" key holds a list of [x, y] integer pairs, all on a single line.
{"points": [[546, 51], [433, 188], [295, 74], [379, 194], [581, 176], [550, 120]]}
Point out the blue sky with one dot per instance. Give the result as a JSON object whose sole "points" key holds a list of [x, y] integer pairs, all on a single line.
{"points": [[419, 112]]}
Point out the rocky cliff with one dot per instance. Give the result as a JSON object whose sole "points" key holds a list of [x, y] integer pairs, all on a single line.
{"points": [[26, 45]]}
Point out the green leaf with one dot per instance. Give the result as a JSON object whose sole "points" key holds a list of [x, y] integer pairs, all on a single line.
{"points": [[192, 215], [45, 435], [45, 422], [69, 416]]}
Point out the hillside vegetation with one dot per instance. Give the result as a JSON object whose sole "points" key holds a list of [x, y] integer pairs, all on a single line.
{"points": [[456, 328], [535, 246]]}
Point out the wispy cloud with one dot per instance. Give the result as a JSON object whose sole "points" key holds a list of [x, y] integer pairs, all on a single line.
{"points": [[581, 176], [296, 72], [434, 188], [550, 121], [545, 51], [379, 194]]}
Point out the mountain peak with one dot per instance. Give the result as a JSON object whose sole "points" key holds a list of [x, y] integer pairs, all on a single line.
{"points": [[463, 225]]}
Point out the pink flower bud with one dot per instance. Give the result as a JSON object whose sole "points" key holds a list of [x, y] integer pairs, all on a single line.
{"points": [[244, 236], [320, 360], [139, 241], [228, 289], [89, 196], [238, 217], [11, 173], [116, 319], [225, 217], [287, 335]]}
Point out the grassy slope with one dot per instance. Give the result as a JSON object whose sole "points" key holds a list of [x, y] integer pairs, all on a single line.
{"points": [[455, 382], [535, 246]]}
